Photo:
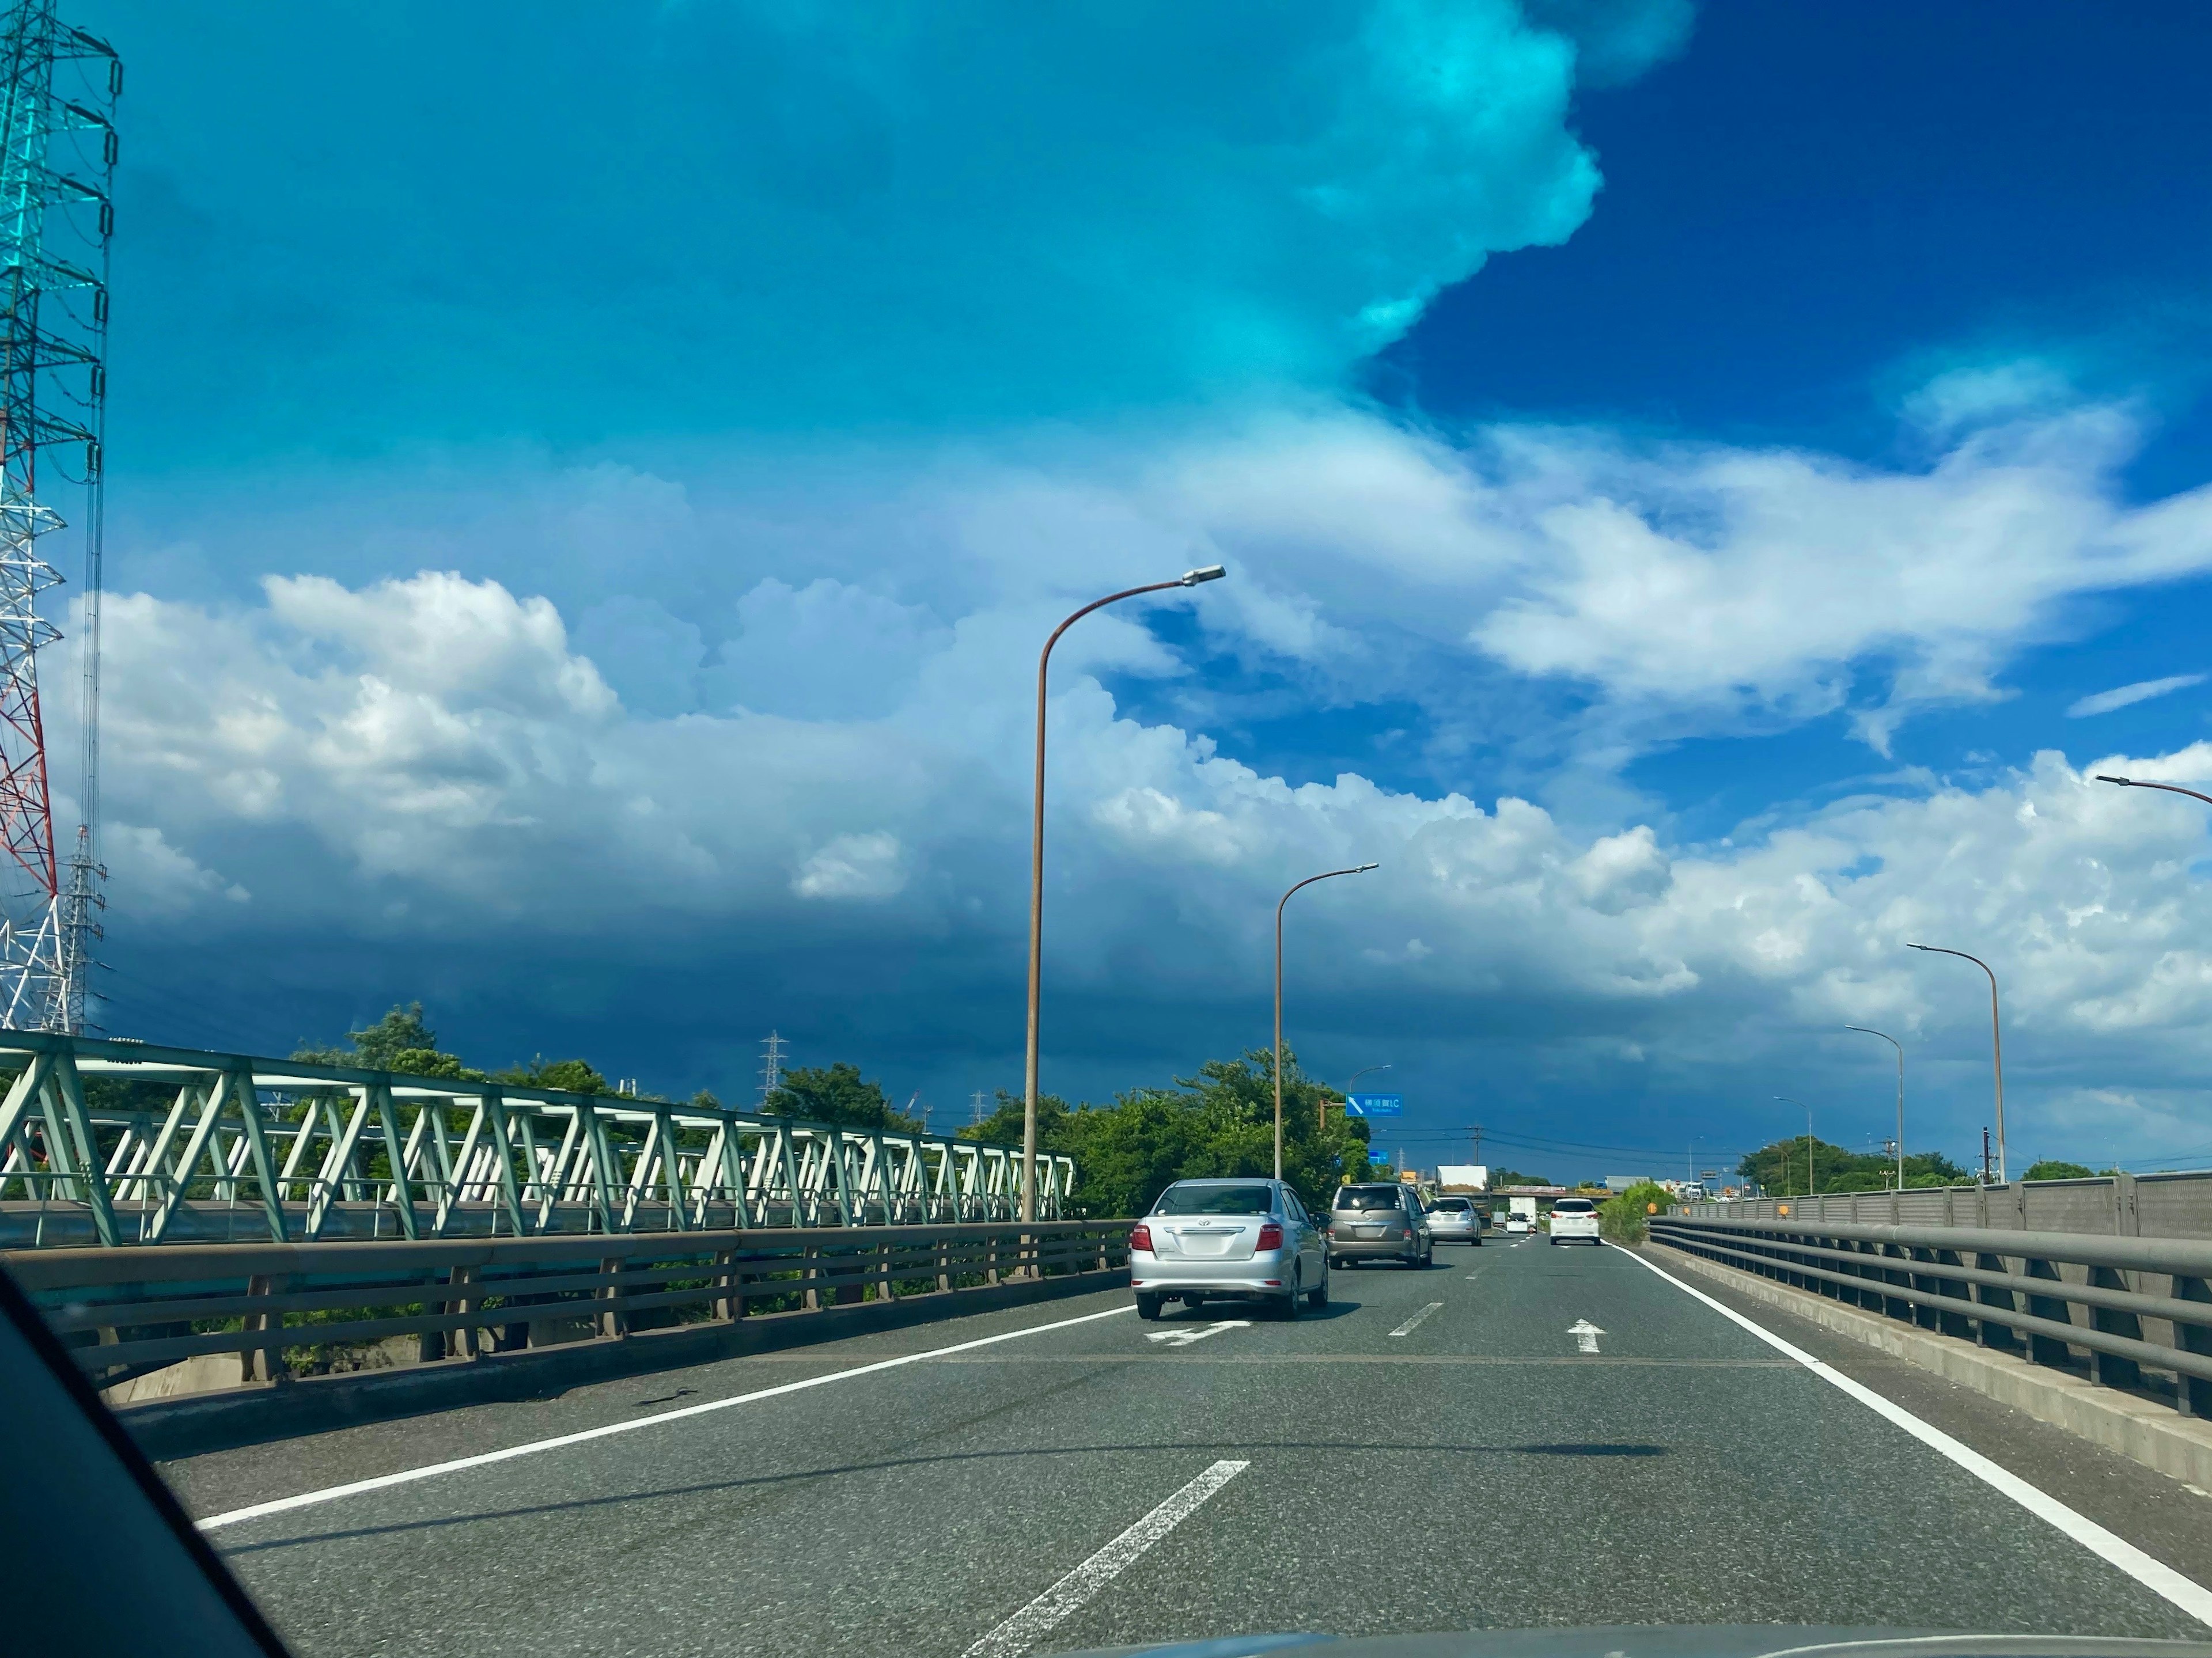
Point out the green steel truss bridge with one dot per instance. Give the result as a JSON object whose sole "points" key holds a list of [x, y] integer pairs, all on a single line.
{"points": [[228, 1147]]}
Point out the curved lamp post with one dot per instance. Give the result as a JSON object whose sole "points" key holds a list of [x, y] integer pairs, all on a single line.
{"points": [[1325, 875], [1188, 579], [1321, 1116], [2171, 788], [1996, 1041], [1786, 1100], [1892, 1041]]}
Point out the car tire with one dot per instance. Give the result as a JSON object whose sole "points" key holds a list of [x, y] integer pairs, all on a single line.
{"points": [[1293, 1303], [1148, 1307], [1317, 1298]]}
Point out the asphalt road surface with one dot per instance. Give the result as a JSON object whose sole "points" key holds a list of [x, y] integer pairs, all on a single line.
{"points": [[1438, 1450]]}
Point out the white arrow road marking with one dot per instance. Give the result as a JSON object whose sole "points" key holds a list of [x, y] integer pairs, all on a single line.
{"points": [[1017, 1634], [1184, 1337], [1585, 1334], [1414, 1323]]}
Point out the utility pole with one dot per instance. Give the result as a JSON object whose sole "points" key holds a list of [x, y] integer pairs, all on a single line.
{"points": [[772, 1051], [1478, 1145], [975, 1100], [1985, 1155]]}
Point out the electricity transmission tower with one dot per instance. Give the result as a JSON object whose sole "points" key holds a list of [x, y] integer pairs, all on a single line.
{"points": [[772, 1051], [58, 148]]}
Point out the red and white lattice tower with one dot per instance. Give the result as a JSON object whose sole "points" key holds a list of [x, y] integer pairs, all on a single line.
{"points": [[58, 149]]}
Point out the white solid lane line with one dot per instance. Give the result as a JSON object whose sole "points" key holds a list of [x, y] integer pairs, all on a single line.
{"points": [[1014, 1636], [407, 1476], [2155, 1575], [1412, 1323]]}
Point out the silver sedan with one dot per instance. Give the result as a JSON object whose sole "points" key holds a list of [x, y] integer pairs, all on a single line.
{"points": [[1221, 1240], [1455, 1220]]}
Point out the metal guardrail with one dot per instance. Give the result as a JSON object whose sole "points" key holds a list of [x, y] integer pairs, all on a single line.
{"points": [[250, 1148], [127, 1312], [2173, 1204], [2067, 1292]]}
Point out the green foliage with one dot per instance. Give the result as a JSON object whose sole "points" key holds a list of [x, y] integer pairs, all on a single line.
{"points": [[1781, 1169], [837, 1094], [575, 1076], [2054, 1168], [1219, 1122], [1514, 1177], [1626, 1217], [399, 1041]]}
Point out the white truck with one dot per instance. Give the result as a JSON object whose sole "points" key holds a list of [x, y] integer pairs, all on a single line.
{"points": [[1520, 1214]]}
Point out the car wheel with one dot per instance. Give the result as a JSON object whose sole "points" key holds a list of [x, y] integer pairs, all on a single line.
{"points": [[1476, 1241], [1294, 1303], [1148, 1306], [1318, 1297]]}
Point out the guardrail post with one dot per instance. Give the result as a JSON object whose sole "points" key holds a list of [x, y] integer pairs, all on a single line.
{"points": [[2048, 1350], [2111, 1369], [884, 1287], [463, 1342], [944, 1263], [263, 1361], [1992, 1333], [731, 1307], [613, 1323], [1952, 1324], [2194, 1395]]}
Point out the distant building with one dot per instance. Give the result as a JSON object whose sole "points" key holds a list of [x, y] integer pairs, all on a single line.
{"points": [[1464, 1177]]}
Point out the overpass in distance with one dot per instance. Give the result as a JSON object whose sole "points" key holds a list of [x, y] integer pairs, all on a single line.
{"points": [[1523, 1434]]}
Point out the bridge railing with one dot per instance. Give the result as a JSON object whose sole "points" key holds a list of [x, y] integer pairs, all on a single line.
{"points": [[2113, 1307], [2173, 1204], [114, 1143], [287, 1309]]}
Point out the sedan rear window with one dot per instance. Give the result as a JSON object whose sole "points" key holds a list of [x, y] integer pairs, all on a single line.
{"points": [[1367, 1197], [1572, 1206], [1215, 1200]]}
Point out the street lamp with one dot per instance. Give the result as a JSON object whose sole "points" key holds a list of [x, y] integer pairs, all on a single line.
{"points": [[1996, 1041], [1321, 1115], [2171, 788], [1188, 579], [1786, 1100], [1325, 875], [1892, 1041]]}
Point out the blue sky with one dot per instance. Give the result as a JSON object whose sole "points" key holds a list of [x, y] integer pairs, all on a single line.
{"points": [[584, 500]]}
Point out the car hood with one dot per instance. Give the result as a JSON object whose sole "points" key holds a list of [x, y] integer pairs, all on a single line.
{"points": [[1676, 1641]]}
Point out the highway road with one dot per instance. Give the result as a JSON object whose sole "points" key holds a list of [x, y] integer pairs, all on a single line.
{"points": [[1437, 1451]]}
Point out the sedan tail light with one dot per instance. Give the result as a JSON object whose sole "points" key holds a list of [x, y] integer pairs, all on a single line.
{"points": [[1271, 1236], [1140, 1237]]}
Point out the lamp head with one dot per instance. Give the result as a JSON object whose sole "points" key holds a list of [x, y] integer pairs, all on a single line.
{"points": [[2124, 782], [1363, 868], [1204, 573]]}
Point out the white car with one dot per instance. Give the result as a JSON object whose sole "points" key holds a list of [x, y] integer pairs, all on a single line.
{"points": [[1519, 1224], [1575, 1219]]}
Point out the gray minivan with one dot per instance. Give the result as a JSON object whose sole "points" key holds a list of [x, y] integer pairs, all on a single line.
{"points": [[1379, 1223]]}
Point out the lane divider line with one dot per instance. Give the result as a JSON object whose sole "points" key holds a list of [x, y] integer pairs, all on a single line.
{"points": [[1014, 1637], [1414, 1322], [408, 1476], [2153, 1575]]}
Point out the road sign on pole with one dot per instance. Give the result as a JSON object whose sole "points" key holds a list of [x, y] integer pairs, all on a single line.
{"points": [[1374, 1105]]}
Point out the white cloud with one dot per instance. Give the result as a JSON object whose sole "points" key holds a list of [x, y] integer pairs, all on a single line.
{"points": [[2123, 696], [854, 866]]}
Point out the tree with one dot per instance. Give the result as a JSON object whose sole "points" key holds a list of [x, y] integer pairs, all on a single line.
{"points": [[1780, 1168], [2054, 1168], [839, 1096], [399, 1041], [1514, 1177], [574, 1076]]}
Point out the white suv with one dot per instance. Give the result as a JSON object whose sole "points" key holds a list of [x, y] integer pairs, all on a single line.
{"points": [[1575, 1218]]}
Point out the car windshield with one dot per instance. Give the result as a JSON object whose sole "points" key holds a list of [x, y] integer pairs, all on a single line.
{"points": [[1367, 1196], [1046, 859], [1215, 1200]]}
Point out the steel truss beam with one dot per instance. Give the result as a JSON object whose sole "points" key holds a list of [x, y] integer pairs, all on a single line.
{"points": [[250, 1149]]}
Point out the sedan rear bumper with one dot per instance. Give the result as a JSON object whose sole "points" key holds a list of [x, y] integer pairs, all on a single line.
{"points": [[1397, 1248], [1267, 1274]]}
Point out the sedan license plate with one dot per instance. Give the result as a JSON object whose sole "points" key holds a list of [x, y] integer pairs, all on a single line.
{"points": [[1368, 1232]]}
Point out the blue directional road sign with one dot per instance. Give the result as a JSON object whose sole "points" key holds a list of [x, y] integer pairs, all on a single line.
{"points": [[1374, 1105]]}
